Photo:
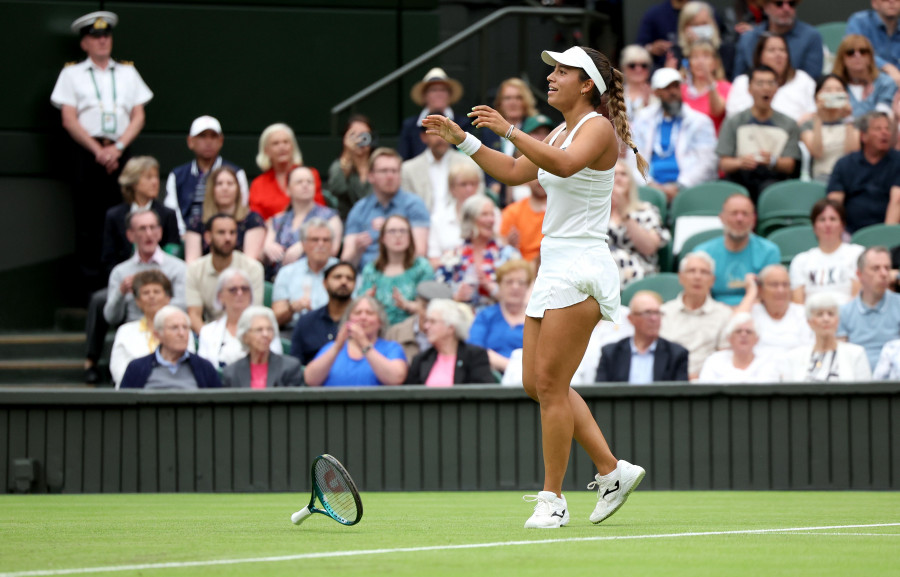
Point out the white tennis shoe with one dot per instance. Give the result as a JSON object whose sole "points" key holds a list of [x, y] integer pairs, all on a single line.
{"points": [[614, 489], [550, 511]]}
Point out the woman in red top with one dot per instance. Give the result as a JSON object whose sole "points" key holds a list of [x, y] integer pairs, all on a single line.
{"points": [[278, 155]]}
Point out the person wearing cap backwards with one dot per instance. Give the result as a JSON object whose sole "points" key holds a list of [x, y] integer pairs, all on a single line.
{"points": [[186, 185], [435, 92], [683, 140], [578, 281], [102, 103]]}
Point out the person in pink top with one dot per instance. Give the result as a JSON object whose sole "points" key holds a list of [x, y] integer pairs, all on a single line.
{"points": [[450, 360], [261, 369], [705, 89]]}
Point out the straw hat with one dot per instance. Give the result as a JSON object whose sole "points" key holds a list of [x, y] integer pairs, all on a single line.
{"points": [[434, 76]]}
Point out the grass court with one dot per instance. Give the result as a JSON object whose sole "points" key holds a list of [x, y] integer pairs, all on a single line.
{"points": [[675, 534]]}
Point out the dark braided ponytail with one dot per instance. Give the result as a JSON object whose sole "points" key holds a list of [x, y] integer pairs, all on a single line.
{"points": [[615, 102]]}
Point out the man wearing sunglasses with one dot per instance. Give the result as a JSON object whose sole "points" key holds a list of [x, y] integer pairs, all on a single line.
{"points": [[803, 40], [102, 106], [879, 25]]}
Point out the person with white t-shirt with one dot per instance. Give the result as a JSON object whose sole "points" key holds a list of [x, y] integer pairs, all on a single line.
{"points": [[740, 363], [780, 324], [831, 266]]}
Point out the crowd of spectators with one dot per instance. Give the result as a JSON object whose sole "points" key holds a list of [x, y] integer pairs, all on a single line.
{"points": [[410, 266]]}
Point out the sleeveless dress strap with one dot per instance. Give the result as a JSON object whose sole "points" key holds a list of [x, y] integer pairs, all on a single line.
{"points": [[571, 135]]}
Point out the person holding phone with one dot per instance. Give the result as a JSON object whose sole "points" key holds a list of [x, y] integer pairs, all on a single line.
{"points": [[578, 281], [830, 133], [348, 174]]}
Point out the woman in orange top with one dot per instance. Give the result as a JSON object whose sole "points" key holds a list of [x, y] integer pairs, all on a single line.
{"points": [[278, 155]]}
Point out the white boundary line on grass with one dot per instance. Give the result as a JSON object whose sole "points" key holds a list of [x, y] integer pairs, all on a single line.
{"points": [[327, 554]]}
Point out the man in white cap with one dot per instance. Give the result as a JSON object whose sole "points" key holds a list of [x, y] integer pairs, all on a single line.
{"points": [[682, 141], [102, 103], [436, 93], [186, 185]]}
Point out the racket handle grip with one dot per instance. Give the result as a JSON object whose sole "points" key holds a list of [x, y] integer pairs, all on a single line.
{"points": [[300, 515]]}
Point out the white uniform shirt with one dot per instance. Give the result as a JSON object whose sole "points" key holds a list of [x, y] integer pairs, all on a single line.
{"points": [[75, 87], [818, 272]]}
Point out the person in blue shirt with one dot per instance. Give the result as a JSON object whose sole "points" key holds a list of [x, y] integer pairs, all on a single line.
{"points": [[499, 328], [319, 327], [879, 25], [873, 317], [804, 41], [658, 30], [738, 252], [359, 356], [867, 182], [367, 216]]}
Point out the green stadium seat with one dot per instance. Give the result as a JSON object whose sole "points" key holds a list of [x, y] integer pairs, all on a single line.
{"points": [[832, 34], [286, 345], [793, 240], [786, 203], [664, 283], [175, 249], [703, 199], [878, 234], [267, 294], [655, 197]]}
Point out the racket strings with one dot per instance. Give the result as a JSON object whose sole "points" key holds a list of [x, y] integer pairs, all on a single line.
{"points": [[336, 493]]}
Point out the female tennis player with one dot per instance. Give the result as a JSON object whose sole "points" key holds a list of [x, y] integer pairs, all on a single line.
{"points": [[578, 281]]}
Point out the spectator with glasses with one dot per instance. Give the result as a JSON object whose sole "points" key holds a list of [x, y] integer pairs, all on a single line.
{"points": [[368, 215], [646, 357], [804, 40], [219, 340], [636, 65], [257, 331], [879, 25], [393, 277], [868, 89], [740, 363]]}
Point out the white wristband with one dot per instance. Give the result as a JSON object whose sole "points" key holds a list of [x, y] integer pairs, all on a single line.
{"points": [[469, 146]]}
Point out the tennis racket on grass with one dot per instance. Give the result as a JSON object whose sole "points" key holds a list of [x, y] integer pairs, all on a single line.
{"points": [[337, 492]]}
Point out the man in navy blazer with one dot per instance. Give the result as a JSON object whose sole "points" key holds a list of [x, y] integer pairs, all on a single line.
{"points": [[644, 358], [171, 365]]}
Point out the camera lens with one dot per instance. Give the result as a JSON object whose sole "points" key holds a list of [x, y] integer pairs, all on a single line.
{"points": [[365, 139]]}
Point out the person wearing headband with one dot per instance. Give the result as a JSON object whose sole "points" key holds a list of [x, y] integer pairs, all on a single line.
{"points": [[578, 281], [101, 102]]}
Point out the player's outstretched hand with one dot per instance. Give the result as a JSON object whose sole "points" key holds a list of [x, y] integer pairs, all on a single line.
{"points": [[444, 127], [485, 116]]}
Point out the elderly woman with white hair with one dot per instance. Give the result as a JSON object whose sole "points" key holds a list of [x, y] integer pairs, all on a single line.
{"points": [[828, 360], [636, 65], [470, 269], [739, 364], [219, 342], [464, 180], [278, 155], [450, 360], [257, 331]]}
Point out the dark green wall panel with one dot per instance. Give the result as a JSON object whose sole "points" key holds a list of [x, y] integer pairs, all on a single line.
{"points": [[471, 438]]}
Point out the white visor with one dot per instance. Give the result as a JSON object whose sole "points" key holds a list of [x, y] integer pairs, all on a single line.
{"points": [[575, 57]]}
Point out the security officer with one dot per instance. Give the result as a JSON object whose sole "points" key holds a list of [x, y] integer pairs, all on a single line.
{"points": [[102, 103]]}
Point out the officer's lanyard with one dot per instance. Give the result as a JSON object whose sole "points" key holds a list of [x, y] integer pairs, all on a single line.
{"points": [[112, 73]]}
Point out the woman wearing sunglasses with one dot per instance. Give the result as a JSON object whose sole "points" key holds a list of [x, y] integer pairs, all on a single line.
{"points": [[636, 66], [868, 88], [219, 343]]}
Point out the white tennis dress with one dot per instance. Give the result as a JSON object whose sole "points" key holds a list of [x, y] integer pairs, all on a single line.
{"points": [[575, 258]]}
